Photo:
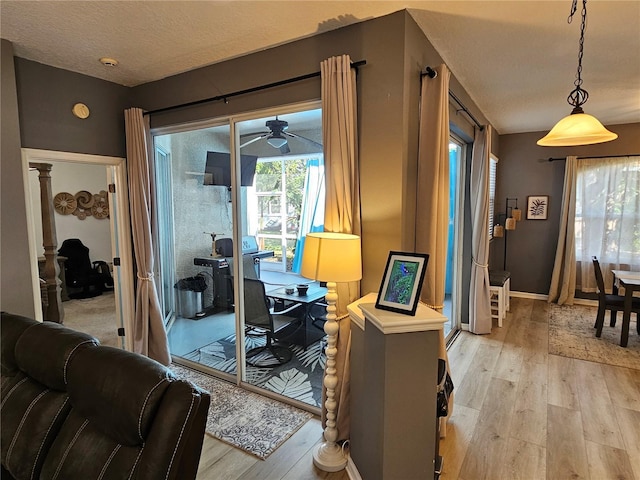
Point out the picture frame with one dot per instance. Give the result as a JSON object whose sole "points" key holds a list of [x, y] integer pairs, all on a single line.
{"points": [[402, 282], [537, 207]]}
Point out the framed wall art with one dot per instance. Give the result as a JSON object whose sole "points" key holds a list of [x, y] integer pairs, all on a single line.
{"points": [[537, 207], [402, 282]]}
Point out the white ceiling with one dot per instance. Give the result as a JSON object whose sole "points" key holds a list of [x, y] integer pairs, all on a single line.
{"points": [[517, 59]]}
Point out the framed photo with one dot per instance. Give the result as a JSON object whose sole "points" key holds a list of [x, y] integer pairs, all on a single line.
{"points": [[537, 207], [402, 282]]}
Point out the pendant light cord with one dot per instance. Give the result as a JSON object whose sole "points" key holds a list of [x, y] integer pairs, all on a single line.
{"points": [[578, 95]]}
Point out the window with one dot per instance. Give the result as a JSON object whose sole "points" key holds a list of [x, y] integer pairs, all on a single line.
{"points": [[493, 164], [281, 202], [607, 215]]}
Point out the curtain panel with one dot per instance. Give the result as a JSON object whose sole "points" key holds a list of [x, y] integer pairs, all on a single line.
{"points": [[342, 204], [479, 295], [607, 209], [149, 334], [432, 217], [563, 279]]}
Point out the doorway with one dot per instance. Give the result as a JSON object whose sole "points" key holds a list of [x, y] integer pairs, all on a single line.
{"points": [[236, 196], [115, 228]]}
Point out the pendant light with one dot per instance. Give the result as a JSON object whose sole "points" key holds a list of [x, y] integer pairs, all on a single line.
{"points": [[578, 128]]}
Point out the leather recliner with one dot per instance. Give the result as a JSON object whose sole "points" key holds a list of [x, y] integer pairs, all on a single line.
{"points": [[73, 409]]}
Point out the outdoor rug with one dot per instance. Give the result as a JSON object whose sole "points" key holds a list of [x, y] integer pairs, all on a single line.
{"points": [[571, 334], [256, 424], [299, 379]]}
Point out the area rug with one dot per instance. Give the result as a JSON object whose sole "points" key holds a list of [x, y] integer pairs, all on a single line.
{"points": [[256, 424], [571, 334], [299, 379]]}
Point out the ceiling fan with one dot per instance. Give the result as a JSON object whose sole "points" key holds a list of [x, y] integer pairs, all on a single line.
{"points": [[278, 136]]}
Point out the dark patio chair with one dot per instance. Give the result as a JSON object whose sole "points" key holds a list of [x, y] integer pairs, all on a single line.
{"points": [[261, 320]]}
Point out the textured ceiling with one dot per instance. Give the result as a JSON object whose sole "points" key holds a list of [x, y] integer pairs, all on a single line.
{"points": [[517, 59]]}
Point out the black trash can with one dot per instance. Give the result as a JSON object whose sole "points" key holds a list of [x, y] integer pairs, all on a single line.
{"points": [[190, 295]]}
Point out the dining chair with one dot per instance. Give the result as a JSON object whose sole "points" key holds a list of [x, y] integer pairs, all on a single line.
{"points": [[613, 303], [261, 320]]}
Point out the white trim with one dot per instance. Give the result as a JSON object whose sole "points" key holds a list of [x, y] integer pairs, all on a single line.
{"points": [[120, 235], [425, 319], [533, 296], [352, 470]]}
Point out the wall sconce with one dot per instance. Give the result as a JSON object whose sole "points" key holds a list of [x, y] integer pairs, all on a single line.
{"points": [[512, 215]]}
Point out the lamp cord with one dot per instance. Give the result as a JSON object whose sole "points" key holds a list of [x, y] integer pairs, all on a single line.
{"points": [[578, 95]]}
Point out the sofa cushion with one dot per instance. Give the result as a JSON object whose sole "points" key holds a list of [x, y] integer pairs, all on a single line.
{"points": [[32, 415], [12, 328], [82, 450], [117, 391], [43, 352]]}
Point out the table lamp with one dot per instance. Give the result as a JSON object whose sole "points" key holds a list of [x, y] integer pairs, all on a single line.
{"points": [[331, 257]]}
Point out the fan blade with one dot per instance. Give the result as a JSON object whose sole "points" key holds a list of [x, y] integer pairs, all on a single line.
{"points": [[304, 139], [260, 137], [284, 149]]}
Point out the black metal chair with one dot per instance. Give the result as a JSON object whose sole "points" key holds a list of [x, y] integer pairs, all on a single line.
{"points": [[613, 303], [261, 320]]}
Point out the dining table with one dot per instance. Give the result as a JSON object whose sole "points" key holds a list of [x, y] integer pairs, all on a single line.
{"points": [[630, 281]]}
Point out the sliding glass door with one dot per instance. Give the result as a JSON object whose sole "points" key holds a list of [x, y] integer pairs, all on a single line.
{"points": [[235, 200], [454, 264]]}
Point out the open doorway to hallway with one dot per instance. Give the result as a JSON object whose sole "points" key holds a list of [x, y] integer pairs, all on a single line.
{"points": [[98, 224]]}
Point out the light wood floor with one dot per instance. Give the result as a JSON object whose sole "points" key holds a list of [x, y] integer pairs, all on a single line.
{"points": [[519, 413], [292, 461]]}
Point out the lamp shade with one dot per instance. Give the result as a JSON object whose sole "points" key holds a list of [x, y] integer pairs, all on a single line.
{"points": [[332, 257], [577, 129], [510, 223]]}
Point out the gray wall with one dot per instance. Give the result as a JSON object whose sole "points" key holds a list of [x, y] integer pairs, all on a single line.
{"points": [[15, 272], [523, 169], [46, 96], [396, 51]]}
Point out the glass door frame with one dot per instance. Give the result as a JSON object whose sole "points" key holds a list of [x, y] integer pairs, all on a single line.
{"points": [[236, 197], [458, 228]]}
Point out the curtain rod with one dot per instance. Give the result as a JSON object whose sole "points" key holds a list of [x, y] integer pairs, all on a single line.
{"points": [[248, 90], [431, 73], [600, 156]]}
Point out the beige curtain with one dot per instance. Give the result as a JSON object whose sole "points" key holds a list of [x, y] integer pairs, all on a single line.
{"points": [[432, 219], [479, 303], [342, 203], [149, 335], [563, 279]]}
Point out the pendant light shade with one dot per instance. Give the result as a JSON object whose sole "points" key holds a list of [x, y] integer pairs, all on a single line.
{"points": [[577, 129]]}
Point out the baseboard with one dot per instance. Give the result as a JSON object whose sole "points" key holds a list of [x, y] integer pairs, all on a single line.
{"points": [[352, 470], [539, 296], [533, 296]]}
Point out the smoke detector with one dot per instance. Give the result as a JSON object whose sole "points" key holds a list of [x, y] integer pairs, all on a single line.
{"points": [[109, 62]]}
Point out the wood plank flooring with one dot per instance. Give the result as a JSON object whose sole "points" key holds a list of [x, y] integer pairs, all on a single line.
{"points": [[519, 413]]}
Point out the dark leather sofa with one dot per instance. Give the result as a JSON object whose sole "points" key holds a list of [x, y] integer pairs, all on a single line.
{"points": [[72, 409]]}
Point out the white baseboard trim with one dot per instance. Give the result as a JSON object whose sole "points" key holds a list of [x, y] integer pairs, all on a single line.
{"points": [[539, 296], [533, 296], [352, 470]]}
